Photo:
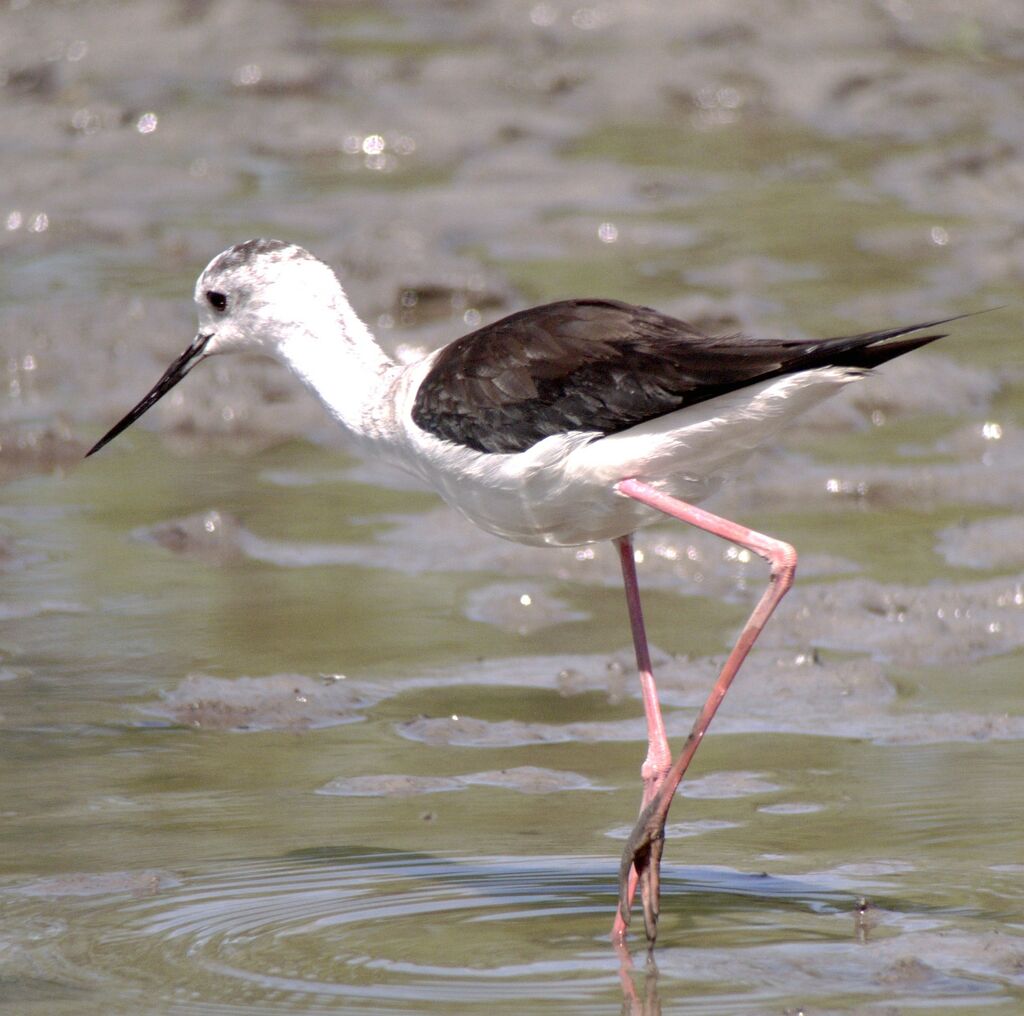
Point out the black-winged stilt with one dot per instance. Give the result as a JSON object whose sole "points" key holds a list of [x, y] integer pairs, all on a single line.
{"points": [[577, 421]]}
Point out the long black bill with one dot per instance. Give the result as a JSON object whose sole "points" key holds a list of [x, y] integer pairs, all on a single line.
{"points": [[171, 377]]}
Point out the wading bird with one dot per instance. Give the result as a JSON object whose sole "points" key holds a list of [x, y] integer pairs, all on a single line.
{"points": [[560, 425]]}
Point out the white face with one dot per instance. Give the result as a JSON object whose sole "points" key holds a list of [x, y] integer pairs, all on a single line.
{"points": [[256, 293], [251, 296]]}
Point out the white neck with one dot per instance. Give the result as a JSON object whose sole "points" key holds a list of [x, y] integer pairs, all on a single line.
{"points": [[337, 358]]}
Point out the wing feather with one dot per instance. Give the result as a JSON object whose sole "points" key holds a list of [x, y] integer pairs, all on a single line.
{"points": [[605, 366]]}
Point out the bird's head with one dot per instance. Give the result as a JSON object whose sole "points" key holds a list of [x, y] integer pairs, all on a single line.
{"points": [[250, 298], [255, 294]]}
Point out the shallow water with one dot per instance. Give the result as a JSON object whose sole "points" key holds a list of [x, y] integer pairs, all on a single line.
{"points": [[281, 734]]}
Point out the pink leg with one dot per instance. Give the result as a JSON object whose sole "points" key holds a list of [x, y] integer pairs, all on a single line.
{"points": [[641, 859], [659, 754]]}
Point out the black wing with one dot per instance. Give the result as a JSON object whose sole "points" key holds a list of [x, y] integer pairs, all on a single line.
{"points": [[605, 366]]}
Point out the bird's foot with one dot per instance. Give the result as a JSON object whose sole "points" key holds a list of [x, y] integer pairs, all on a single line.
{"points": [[642, 852]]}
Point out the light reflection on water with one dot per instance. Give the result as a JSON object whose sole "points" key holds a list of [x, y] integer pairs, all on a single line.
{"points": [[368, 928], [320, 928]]}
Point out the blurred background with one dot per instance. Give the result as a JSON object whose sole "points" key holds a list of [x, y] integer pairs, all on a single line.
{"points": [[282, 733]]}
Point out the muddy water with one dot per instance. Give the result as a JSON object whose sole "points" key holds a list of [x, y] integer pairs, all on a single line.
{"points": [[281, 734]]}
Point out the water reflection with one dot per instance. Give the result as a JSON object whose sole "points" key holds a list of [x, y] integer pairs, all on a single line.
{"points": [[319, 928], [327, 924], [639, 992]]}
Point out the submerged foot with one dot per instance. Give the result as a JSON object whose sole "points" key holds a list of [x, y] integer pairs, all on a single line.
{"points": [[642, 852]]}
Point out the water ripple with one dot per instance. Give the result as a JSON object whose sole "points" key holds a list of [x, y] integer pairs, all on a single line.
{"points": [[398, 931], [333, 929]]}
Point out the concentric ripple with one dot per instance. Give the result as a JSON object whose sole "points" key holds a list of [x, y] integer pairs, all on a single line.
{"points": [[346, 931], [328, 930], [383, 928]]}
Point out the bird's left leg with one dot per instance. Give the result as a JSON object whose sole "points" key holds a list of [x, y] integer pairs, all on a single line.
{"points": [[659, 755], [641, 858]]}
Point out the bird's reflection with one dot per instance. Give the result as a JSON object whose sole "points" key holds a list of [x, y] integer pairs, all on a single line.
{"points": [[639, 988]]}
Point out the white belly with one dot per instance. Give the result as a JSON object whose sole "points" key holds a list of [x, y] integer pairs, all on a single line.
{"points": [[561, 492]]}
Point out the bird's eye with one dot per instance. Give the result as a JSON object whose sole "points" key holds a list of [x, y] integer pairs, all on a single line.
{"points": [[218, 301]]}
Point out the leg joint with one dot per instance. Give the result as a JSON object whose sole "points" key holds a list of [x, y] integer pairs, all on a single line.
{"points": [[783, 558]]}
